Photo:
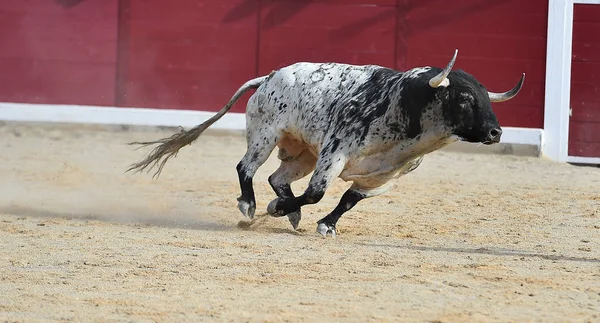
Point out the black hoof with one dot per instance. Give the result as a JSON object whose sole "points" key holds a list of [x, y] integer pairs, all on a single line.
{"points": [[246, 208], [280, 207], [294, 219]]}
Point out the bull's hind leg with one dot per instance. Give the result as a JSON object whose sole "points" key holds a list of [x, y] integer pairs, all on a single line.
{"points": [[292, 168], [261, 139], [260, 147]]}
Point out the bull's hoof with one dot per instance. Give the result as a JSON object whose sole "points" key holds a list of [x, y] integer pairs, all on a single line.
{"points": [[295, 218], [246, 208], [272, 208], [325, 229]]}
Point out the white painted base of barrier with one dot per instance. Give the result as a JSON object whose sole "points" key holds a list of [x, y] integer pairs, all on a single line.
{"points": [[174, 118], [112, 115], [584, 160]]}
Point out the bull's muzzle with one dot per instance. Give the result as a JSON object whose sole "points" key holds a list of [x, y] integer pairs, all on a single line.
{"points": [[493, 136]]}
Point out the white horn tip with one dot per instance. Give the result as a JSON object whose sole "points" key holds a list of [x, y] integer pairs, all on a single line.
{"points": [[455, 55]]}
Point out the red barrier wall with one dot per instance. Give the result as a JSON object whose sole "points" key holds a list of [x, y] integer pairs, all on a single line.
{"points": [[584, 137], [187, 54], [193, 54], [58, 51]]}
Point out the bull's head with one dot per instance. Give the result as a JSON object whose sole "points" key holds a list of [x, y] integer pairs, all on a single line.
{"points": [[467, 105]]}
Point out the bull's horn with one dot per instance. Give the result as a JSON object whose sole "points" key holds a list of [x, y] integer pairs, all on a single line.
{"points": [[441, 79], [501, 97]]}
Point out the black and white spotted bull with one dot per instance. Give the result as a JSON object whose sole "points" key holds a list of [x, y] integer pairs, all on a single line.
{"points": [[365, 124]]}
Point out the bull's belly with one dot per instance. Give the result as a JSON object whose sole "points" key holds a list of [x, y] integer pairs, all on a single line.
{"points": [[369, 171], [373, 173]]}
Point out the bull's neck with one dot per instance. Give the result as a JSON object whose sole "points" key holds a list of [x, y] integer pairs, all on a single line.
{"points": [[414, 114]]}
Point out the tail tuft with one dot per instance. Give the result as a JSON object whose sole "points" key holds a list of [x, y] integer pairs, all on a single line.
{"points": [[168, 148]]}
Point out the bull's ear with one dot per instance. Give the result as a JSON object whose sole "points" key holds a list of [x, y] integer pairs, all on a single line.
{"points": [[445, 83], [442, 78]]}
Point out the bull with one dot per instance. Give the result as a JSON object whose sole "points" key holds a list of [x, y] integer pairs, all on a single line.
{"points": [[366, 124]]}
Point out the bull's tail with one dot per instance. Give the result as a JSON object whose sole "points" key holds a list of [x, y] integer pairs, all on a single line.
{"points": [[169, 147]]}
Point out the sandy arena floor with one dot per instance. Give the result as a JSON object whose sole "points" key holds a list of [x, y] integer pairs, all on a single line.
{"points": [[464, 238]]}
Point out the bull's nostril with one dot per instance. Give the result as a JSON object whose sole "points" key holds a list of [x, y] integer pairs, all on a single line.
{"points": [[495, 133]]}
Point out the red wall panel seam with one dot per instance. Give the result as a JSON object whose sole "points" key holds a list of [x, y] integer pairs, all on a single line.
{"points": [[258, 21], [396, 34], [122, 64]]}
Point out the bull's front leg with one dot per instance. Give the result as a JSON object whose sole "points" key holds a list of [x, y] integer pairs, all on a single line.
{"points": [[350, 198], [361, 190]]}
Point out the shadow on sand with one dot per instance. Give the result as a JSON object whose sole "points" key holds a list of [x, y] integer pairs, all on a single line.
{"points": [[487, 251], [182, 221]]}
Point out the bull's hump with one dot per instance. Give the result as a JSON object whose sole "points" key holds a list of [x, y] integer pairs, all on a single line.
{"points": [[324, 74], [416, 73]]}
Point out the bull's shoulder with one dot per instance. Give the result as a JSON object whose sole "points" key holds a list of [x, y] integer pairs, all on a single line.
{"points": [[371, 97]]}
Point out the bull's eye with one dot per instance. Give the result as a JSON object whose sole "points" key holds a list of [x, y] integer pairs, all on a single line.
{"points": [[464, 103], [465, 100]]}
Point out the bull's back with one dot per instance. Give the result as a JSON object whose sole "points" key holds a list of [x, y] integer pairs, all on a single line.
{"points": [[303, 98]]}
